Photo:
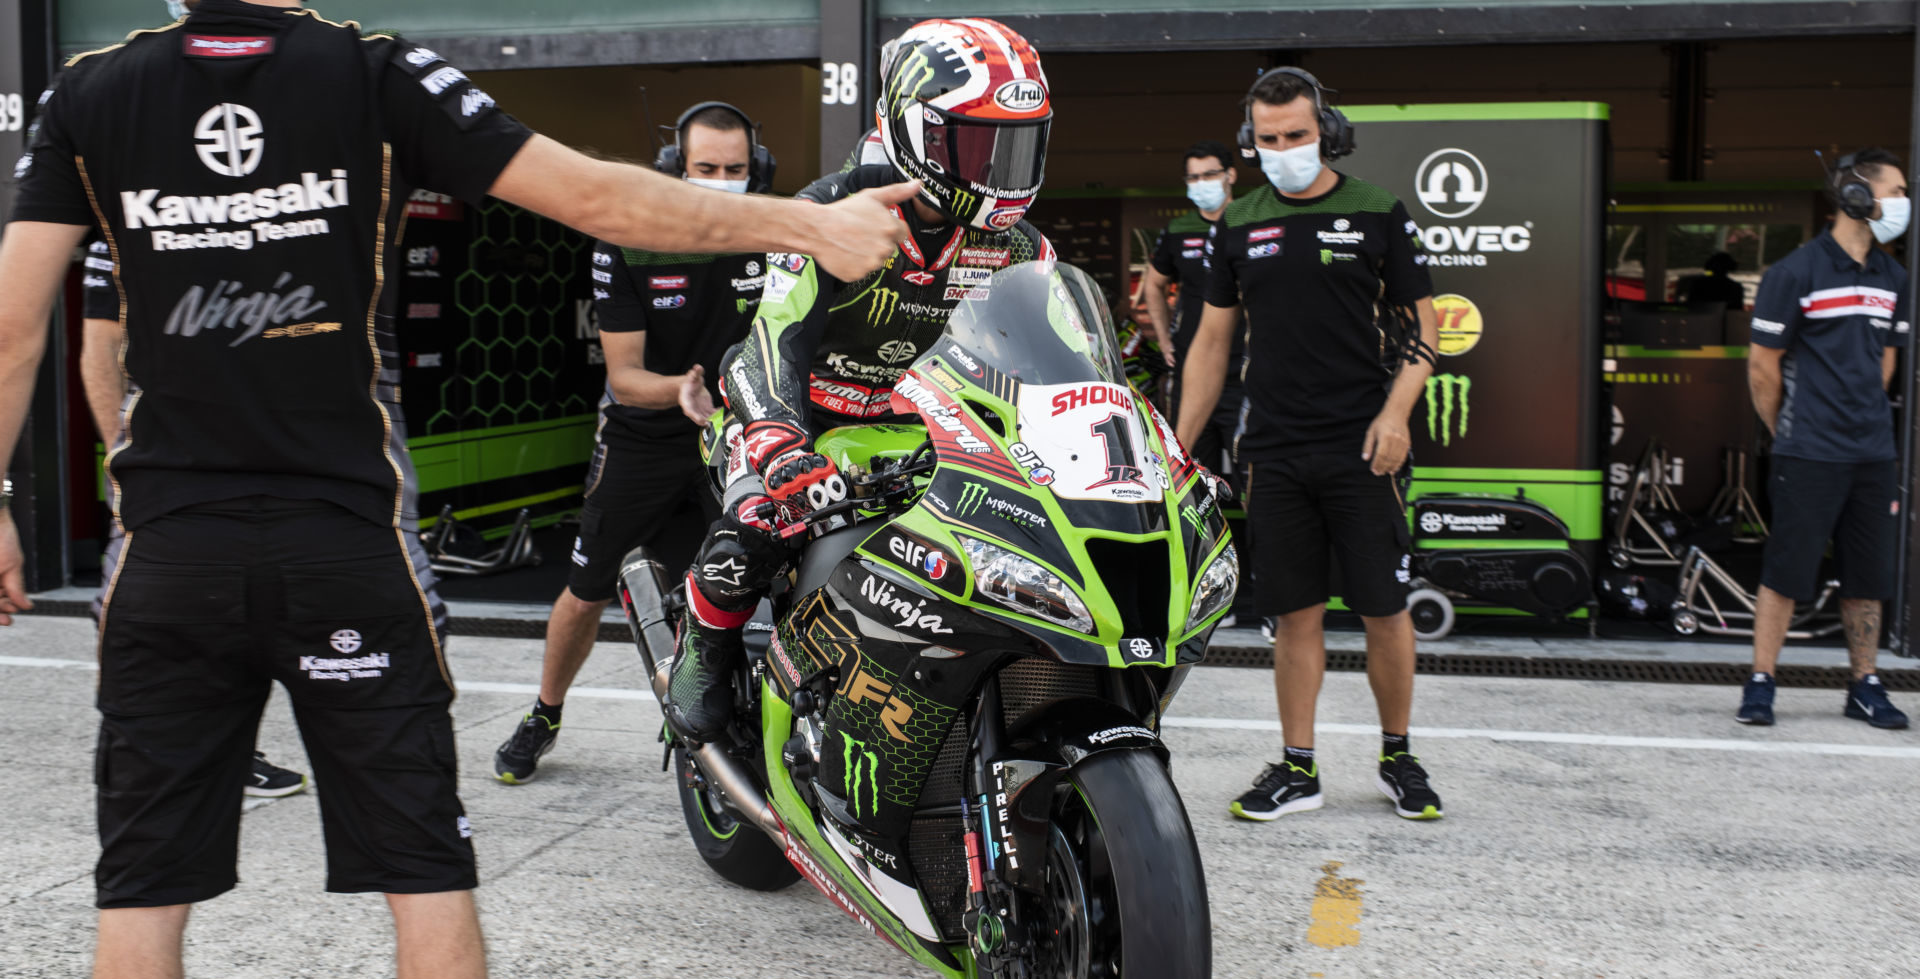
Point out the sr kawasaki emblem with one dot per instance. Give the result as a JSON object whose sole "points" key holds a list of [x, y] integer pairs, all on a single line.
{"points": [[1443, 391]]}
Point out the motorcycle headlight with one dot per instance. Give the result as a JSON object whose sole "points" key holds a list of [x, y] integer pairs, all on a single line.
{"points": [[1023, 586], [1214, 591]]}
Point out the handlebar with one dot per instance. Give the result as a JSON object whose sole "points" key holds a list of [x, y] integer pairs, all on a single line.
{"points": [[890, 487]]}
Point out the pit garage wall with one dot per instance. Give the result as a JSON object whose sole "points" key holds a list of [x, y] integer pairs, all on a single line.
{"points": [[503, 364]]}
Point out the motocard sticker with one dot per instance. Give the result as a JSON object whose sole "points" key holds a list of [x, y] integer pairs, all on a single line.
{"points": [[1090, 438], [209, 46], [997, 258]]}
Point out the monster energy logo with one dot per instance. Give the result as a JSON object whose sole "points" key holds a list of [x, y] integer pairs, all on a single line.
{"points": [[882, 306], [909, 76], [963, 200], [740, 305], [1326, 256], [1440, 420], [971, 498], [1192, 516], [861, 768]]}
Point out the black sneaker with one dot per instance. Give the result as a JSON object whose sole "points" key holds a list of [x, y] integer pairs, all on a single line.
{"points": [[1405, 782], [1756, 701], [1867, 701], [1266, 629], [270, 781], [1279, 790], [520, 755]]}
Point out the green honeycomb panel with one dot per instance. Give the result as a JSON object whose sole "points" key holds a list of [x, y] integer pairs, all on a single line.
{"points": [[516, 296], [903, 766]]}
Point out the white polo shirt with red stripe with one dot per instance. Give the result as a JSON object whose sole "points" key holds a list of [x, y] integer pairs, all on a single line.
{"points": [[1835, 318]]}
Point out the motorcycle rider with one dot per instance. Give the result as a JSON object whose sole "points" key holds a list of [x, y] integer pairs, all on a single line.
{"points": [[965, 110]]}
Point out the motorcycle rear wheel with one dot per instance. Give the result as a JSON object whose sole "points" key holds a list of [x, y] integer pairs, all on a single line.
{"points": [[735, 850], [1126, 896]]}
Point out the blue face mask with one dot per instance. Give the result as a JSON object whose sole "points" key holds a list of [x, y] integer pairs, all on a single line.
{"points": [[1208, 195], [1892, 222], [1292, 170]]}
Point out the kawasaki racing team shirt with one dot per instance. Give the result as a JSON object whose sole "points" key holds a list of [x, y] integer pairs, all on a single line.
{"points": [[249, 167], [692, 308], [1835, 318], [1180, 254], [1311, 274]]}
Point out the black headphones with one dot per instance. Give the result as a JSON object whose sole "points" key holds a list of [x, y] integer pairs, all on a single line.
{"points": [[672, 158], [1336, 132], [1852, 195]]}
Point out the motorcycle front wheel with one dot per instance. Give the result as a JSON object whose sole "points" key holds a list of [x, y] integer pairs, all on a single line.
{"points": [[1126, 897], [739, 852]]}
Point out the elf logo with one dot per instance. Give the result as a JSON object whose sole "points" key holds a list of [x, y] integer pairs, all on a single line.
{"points": [[1451, 182]]}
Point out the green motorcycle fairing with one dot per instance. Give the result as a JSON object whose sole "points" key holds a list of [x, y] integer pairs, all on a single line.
{"points": [[1061, 520]]}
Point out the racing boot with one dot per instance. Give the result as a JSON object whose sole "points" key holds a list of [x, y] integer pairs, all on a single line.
{"points": [[699, 688]]}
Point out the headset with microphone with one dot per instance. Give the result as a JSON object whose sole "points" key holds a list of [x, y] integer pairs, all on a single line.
{"points": [[1336, 131], [672, 158], [1851, 194]]}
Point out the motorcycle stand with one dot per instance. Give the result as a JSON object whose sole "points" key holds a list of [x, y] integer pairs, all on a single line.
{"points": [[1648, 491], [1736, 499], [449, 534], [1731, 613]]}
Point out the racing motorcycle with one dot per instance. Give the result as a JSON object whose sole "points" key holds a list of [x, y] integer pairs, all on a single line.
{"points": [[948, 721]]}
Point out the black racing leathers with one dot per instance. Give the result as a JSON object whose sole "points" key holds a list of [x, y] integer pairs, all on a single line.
{"points": [[822, 353], [824, 346]]}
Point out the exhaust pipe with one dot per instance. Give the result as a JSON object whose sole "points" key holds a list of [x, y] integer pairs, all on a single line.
{"points": [[643, 590]]}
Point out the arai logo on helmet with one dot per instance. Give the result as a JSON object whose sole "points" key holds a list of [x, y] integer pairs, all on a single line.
{"points": [[1021, 95]]}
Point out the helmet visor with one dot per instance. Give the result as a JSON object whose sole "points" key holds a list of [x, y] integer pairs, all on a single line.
{"points": [[993, 159]]}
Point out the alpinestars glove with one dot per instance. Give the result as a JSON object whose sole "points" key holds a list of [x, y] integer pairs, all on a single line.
{"points": [[795, 476]]}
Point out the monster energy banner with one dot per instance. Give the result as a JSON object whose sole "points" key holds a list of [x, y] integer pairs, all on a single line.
{"points": [[1506, 199]]}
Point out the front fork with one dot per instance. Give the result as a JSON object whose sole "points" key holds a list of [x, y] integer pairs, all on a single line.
{"points": [[1007, 807]]}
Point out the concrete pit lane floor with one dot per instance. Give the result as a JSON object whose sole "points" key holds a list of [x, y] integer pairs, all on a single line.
{"points": [[1593, 830]]}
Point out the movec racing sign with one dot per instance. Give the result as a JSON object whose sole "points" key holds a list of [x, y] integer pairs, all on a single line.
{"points": [[1505, 203]]}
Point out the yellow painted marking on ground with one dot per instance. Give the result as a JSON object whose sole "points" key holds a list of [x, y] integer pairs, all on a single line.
{"points": [[1336, 909]]}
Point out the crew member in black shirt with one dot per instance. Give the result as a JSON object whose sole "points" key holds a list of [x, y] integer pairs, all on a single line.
{"points": [[101, 339], [1179, 257], [665, 321], [249, 166], [1341, 328]]}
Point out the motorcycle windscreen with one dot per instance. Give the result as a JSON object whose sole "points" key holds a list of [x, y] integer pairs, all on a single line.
{"points": [[1081, 434], [1040, 323]]}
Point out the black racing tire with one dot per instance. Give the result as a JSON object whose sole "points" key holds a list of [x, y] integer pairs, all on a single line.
{"points": [[736, 850], [1126, 895]]}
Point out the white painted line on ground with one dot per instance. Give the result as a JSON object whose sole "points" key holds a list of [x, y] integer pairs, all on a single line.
{"points": [[71, 664], [596, 693], [1245, 724], [1563, 737]]}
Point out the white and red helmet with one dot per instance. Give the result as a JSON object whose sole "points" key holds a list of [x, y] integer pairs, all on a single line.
{"points": [[965, 110]]}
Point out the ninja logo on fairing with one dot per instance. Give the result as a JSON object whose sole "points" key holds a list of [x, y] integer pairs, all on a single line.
{"points": [[1447, 402], [911, 616]]}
